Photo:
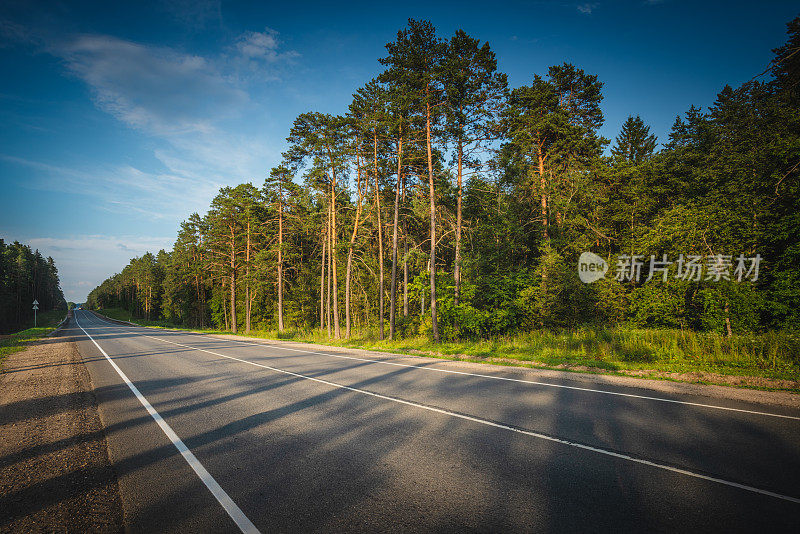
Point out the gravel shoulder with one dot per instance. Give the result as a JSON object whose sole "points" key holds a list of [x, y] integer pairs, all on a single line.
{"points": [[55, 473]]}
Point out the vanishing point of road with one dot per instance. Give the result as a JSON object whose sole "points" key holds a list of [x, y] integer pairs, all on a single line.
{"points": [[214, 434]]}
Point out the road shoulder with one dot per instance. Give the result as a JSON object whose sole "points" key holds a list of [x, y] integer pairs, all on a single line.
{"points": [[55, 473]]}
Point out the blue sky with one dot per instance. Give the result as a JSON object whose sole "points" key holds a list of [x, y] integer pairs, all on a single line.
{"points": [[120, 119]]}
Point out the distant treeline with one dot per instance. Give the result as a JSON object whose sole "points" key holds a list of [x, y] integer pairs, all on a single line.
{"points": [[26, 276], [443, 202]]}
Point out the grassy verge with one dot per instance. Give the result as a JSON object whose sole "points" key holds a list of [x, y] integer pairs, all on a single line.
{"points": [[770, 360], [46, 323]]}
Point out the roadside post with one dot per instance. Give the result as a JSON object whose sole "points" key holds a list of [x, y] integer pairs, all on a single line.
{"points": [[35, 307]]}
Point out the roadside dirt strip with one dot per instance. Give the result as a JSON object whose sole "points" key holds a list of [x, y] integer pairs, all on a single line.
{"points": [[55, 473]]}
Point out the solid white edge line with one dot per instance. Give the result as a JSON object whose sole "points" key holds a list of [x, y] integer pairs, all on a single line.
{"points": [[235, 513], [504, 378], [598, 450]]}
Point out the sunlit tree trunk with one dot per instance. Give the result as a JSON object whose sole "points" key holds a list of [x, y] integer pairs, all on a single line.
{"points": [[392, 300], [432, 195], [280, 258], [405, 257], [334, 270], [457, 268], [330, 272], [380, 234], [248, 303], [233, 279], [322, 286], [543, 186], [350, 251]]}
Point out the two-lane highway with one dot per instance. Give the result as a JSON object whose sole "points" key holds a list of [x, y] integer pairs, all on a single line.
{"points": [[214, 434]]}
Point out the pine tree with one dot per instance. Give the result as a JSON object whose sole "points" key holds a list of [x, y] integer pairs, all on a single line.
{"points": [[415, 65], [321, 138], [551, 126], [474, 91], [369, 111], [277, 188], [635, 143]]}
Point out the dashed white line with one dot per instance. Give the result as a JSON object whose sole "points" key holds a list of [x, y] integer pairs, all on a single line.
{"points": [[241, 520]]}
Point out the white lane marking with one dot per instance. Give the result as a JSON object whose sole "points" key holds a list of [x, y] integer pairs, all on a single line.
{"points": [[241, 520], [507, 379], [501, 426]]}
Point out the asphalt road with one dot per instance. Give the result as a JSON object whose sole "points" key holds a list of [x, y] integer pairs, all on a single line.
{"points": [[253, 435]]}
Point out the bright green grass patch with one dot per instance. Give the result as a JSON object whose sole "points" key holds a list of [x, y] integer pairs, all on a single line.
{"points": [[46, 322], [773, 355]]}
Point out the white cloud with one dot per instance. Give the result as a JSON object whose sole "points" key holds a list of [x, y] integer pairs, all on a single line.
{"points": [[195, 107], [587, 8], [156, 89], [258, 45], [257, 56], [123, 188]]}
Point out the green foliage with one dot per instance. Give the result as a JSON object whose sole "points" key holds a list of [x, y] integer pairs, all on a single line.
{"points": [[26, 276], [658, 305], [635, 143], [556, 298]]}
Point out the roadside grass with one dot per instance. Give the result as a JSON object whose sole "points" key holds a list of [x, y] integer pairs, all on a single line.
{"points": [[46, 323], [620, 350]]}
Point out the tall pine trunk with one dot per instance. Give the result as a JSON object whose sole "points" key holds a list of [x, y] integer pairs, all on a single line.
{"points": [[350, 252], [225, 308], [233, 281], [199, 302], [334, 242], [392, 302], [543, 185], [330, 272], [457, 269], [405, 272], [248, 303], [380, 233], [280, 258], [322, 286], [431, 193], [405, 257]]}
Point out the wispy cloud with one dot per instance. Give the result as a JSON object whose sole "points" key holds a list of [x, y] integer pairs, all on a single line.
{"points": [[260, 45], [126, 188], [193, 105], [587, 8], [155, 89], [258, 57]]}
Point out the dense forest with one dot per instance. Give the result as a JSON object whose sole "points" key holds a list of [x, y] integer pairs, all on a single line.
{"points": [[26, 276], [445, 203]]}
